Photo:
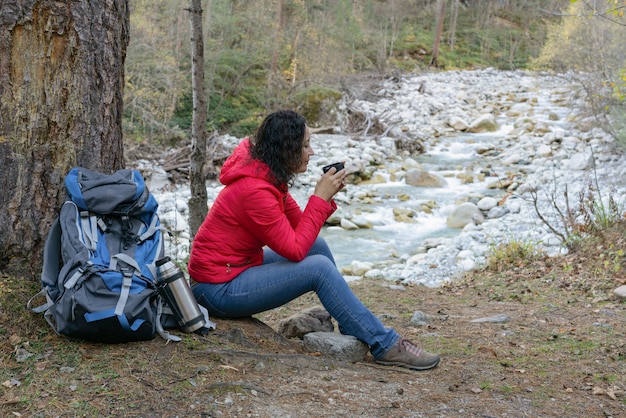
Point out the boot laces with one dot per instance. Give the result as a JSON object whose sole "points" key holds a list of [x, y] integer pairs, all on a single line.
{"points": [[410, 347]]}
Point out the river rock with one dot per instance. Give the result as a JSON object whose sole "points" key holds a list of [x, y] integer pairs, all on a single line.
{"points": [[544, 150], [519, 109], [175, 221], [420, 178], [457, 123], [158, 178], [487, 203], [580, 161], [348, 225], [362, 222], [375, 179], [485, 123], [497, 212], [464, 214], [410, 163], [403, 215], [359, 268]]}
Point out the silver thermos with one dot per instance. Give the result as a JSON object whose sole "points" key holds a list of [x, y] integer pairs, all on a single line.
{"points": [[174, 287]]}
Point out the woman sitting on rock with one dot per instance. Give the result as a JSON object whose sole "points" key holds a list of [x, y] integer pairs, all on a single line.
{"points": [[257, 249]]}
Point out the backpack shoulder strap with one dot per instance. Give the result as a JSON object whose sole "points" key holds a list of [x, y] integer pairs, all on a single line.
{"points": [[151, 229], [50, 270], [52, 255], [89, 224]]}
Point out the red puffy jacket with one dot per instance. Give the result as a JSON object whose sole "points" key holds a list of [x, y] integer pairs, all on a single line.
{"points": [[249, 213]]}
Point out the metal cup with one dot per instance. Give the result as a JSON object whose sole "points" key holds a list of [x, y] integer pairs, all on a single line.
{"points": [[175, 289]]}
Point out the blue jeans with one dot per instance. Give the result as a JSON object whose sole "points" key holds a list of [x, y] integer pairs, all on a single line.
{"points": [[278, 281]]}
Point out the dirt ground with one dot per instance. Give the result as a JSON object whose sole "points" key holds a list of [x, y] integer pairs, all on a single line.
{"points": [[561, 354]]}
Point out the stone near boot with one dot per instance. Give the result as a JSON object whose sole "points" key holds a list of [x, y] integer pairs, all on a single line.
{"points": [[497, 319], [341, 347], [309, 320]]}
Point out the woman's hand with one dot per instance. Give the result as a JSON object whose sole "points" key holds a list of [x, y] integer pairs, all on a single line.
{"points": [[330, 183]]}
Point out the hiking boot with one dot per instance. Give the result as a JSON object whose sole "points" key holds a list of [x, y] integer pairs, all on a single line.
{"points": [[407, 354]]}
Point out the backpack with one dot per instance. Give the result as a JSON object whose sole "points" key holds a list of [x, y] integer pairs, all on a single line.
{"points": [[99, 273]]}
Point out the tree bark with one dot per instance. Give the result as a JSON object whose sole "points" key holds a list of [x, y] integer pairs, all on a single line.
{"points": [[453, 18], [61, 90], [198, 201], [276, 39], [441, 17]]}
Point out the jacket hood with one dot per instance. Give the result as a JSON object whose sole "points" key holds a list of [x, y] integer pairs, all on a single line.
{"points": [[240, 164]]}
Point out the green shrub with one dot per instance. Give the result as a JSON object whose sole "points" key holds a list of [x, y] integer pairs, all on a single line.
{"points": [[510, 254], [312, 102]]}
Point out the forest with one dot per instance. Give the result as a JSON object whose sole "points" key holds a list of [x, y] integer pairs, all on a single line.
{"points": [[302, 54]]}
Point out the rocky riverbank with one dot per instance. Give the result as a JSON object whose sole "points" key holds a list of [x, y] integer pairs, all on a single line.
{"points": [[529, 149]]}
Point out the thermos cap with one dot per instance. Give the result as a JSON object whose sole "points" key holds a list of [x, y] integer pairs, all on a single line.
{"points": [[162, 261]]}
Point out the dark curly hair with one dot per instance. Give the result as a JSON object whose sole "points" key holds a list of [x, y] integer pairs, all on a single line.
{"points": [[278, 142]]}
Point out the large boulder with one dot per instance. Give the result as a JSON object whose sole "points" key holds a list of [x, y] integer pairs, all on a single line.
{"points": [[315, 319], [485, 123], [421, 178], [464, 214]]}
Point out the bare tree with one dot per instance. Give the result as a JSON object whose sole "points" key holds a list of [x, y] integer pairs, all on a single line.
{"points": [[198, 200], [275, 40], [440, 18], [454, 15], [61, 85]]}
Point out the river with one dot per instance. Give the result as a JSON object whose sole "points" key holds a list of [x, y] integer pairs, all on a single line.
{"points": [[536, 140]]}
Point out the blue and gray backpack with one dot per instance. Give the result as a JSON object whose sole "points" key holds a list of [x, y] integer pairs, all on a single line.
{"points": [[99, 275]]}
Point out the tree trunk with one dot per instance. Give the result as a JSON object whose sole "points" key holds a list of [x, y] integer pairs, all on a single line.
{"points": [[441, 17], [278, 24], [61, 89], [453, 18], [198, 201]]}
